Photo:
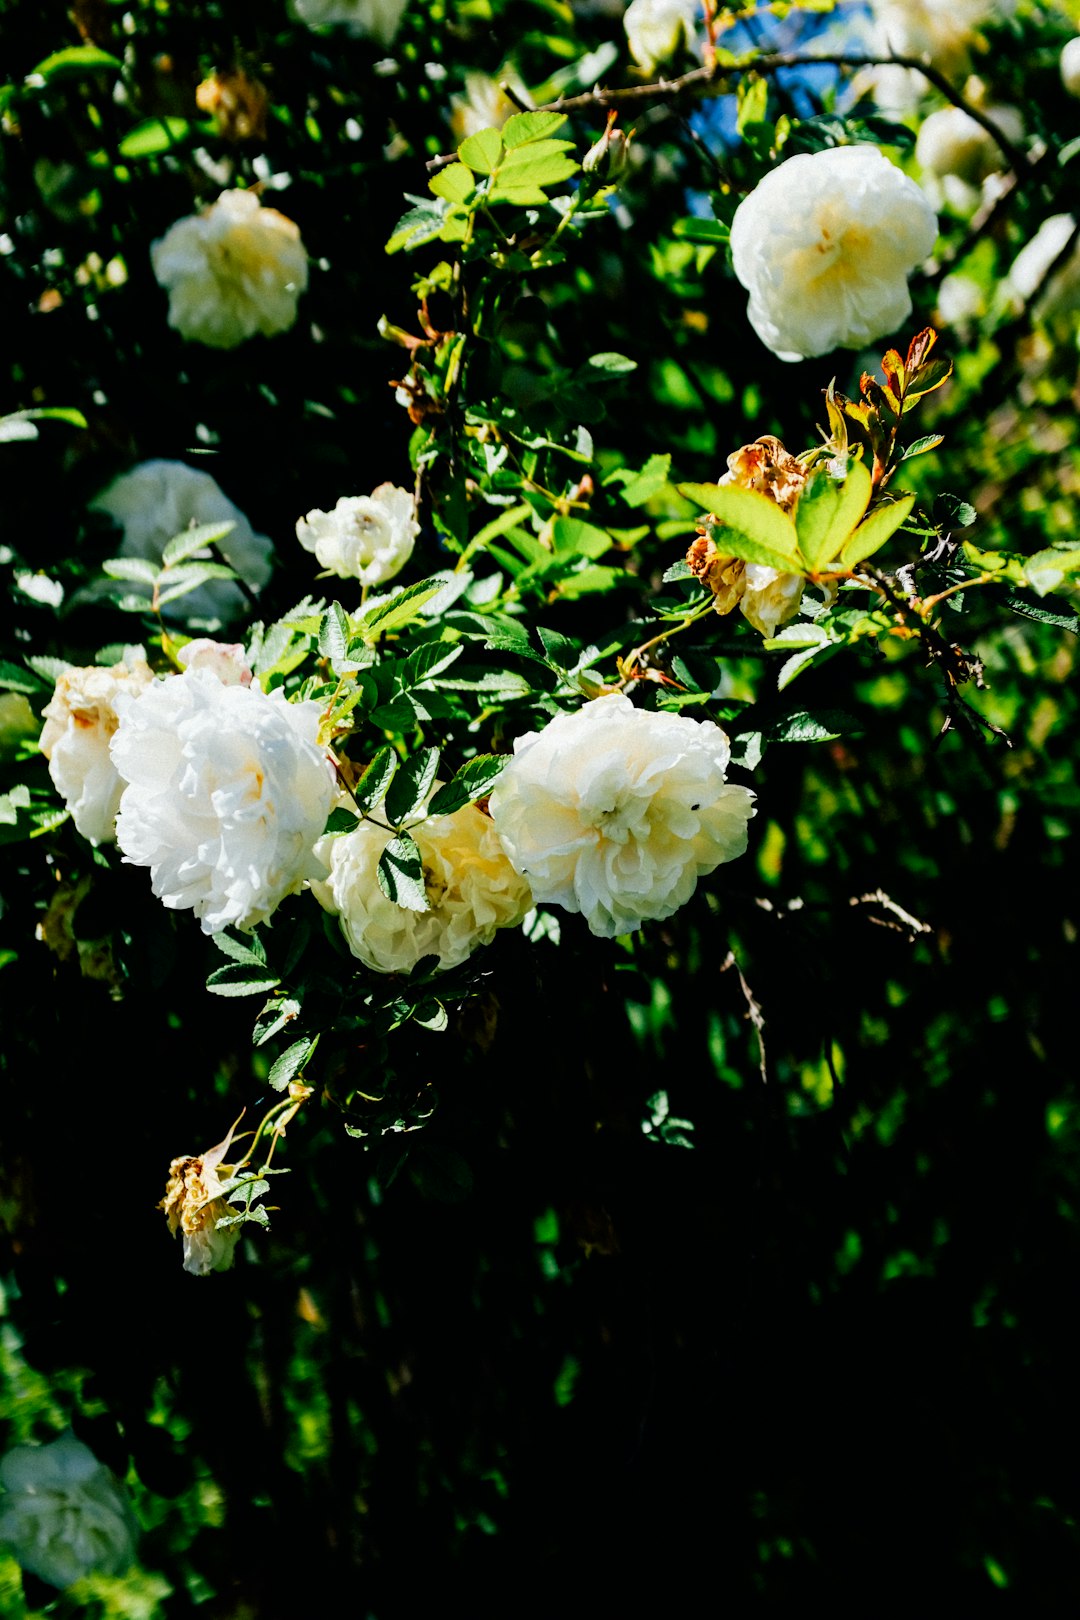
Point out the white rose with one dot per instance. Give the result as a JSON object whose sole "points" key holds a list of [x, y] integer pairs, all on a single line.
{"points": [[194, 1203], [616, 812], [365, 537], [1061, 292], [960, 300], [655, 29], [227, 660], [824, 245], [231, 271], [380, 19], [1070, 67], [156, 501], [944, 31], [227, 792], [471, 887], [951, 142], [80, 719], [770, 598], [63, 1514]]}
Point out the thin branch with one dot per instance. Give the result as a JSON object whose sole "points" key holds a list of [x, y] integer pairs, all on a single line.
{"points": [[753, 1012], [912, 925]]}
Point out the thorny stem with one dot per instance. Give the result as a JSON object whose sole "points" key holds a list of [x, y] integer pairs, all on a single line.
{"points": [[924, 604], [628, 664]]}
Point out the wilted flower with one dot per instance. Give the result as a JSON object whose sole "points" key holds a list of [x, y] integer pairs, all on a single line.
{"points": [[231, 271], [238, 105], [63, 1514], [1070, 67], [225, 659], [824, 245], [656, 29], [1030, 273], [194, 1203], [472, 890], [156, 501], [81, 718], [228, 791], [365, 537], [616, 812], [380, 19]]}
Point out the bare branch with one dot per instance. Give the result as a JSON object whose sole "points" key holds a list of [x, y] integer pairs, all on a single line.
{"points": [[753, 1012]]}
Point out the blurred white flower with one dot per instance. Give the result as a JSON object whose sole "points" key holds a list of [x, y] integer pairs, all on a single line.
{"points": [[951, 142], [655, 29], [365, 537], [616, 812], [484, 104], [81, 718], [943, 31], [824, 245], [227, 792], [63, 1514], [156, 501], [379, 19], [959, 300], [1030, 276], [193, 1205], [225, 659], [232, 271], [1070, 66], [471, 887]]}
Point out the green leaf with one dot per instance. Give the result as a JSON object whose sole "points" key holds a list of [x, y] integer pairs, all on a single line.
{"points": [[802, 726], [250, 949], [136, 569], [394, 611], [920, 447], [77, 62], [828, 511], [340, 820], [872, 534], [482, 151], [751, 525], [154, 136], [472, 781], [612, 365], [455, 183], [334, 636], [291, 1062], [530, 168], [14, 679], [401, 874], [642, 486], [190, 577], [411, 785], [711, 231], [241, 979], [189, 541], [429, 660], [1048, 569], [575, 538], [370, 791], [530, 126]]}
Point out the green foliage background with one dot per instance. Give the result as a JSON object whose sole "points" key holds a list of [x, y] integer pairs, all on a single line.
{"points": [[627, 1311]]}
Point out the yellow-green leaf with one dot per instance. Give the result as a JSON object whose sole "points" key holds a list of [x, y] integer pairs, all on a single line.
{"points": [[750, 526], [871, 535], [828, 511], [455, 183], [482, 151], [530, 126]]}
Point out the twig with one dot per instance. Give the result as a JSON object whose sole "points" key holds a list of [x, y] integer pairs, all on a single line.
{"points": [[880, 898], [753, 1012]]}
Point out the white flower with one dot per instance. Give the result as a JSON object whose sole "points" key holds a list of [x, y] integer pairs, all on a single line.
{"points": [[484, 104], [824, 245], [960, 300], [616, 812], [365, 537], [944, 31], [63, 1514], [1029, 274], [380, 19], [1070, 66], [194, 1203], [228, 792], [232, 271], [770, 598], [80, 719], [951, 142], [655, 29], [471, 887], [156, 501], [226, 659]]}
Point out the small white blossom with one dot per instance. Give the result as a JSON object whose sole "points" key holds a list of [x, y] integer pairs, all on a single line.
{"points": [[158, 500], [225, 659], [365, 537], [656, 29], [472, 890], [63, 1514], [232, 271], [1030, 276], [378, 19], [616, 812], [81, 718], [824, 245], [1070, 66], [227, 792]]}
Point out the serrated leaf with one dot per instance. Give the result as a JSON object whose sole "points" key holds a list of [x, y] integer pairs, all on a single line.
{"points": [[401, 874], [431, 659], [455, 183], [751, 525], [370, 791], [828, 511], [241, 979], [804, 726], [873, 532], [521, 128], [154, 136], [559, 650], [411, 785], [273, 1019], [482, 151], [189, 541], [136, 569], [395, 611], [340, 820], [292, 1060], [1048, 569], [531, 168], [472, 781], [575, 538], [14, 679], [334, 636], [920, 447], [678, 570], [250, 950], [189, 577], [648, 482]]}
